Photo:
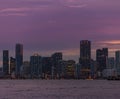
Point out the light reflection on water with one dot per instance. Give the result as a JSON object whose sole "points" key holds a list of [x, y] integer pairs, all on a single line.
{"points": [[59, 89]]}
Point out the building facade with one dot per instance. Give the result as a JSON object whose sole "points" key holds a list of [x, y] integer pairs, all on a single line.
{"points": [[25, 70], [6, 62], [46, 67], [111, 63], [117, 61], [85, 58], [70, 69], [36, 66], [101, 58], [56, 57], [12, 65], [19, 58]]}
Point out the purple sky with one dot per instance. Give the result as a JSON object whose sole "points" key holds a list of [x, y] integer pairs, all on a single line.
{"points": [[46, 26]]}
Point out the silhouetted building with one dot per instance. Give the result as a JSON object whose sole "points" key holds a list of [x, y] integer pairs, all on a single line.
{"points": [[36, 66], [105, 51], [70, 69], [85, 58], [25, 69], [1, 69], [110, 63], [94, 69], [117, 58], [19, 58], [56, 57], [77, 71], [46, 67], [6, 62], [117, 61], [62, 69], [101, 58], [12, 65], [67, 69]]}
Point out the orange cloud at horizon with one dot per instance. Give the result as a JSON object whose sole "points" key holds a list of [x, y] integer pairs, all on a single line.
{"points": [[113, 42]]}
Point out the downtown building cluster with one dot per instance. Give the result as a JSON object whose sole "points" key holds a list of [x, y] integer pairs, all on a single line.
{"points": [[54, 67]]}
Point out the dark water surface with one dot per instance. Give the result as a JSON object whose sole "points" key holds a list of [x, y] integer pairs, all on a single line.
{"points": [[59, 89]]}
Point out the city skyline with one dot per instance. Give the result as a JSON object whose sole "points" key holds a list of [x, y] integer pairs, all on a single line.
{"points": [[48, 26], [54, 65], [50, 54]]}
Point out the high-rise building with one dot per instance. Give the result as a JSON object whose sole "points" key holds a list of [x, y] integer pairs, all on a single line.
{"points": [[101, 58], [67, 69], [85, 54], [62, 69], [12, 65], [56, 57], [70, 69], [117, 58], [105, 51], [19, 58], [85, 58], [25, 69], [36, 66], [93, 69], [117, 61], [6, 62], [46, 67], [110, 63], [77, 71]]}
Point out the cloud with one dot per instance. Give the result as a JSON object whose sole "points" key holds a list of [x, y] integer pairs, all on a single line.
{"points": [[14, 14], [23, 8], [21, 11], [111, 42], [74, 3], [77, 6], [13, 10]]}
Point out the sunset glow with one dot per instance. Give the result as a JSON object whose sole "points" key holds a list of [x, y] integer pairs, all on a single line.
{"points": [[46, 26]]}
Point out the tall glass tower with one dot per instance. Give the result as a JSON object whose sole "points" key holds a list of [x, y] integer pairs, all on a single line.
{"points": [[19, 57], [117, 61], [6, 62], [85, 58], [102, 58], [85, 54], [36, 67]]}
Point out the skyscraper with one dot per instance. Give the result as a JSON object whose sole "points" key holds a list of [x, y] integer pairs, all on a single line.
{"points": [[105, 51], [117, 58], [56, 57], [85, 58], [111, 63], [12, 65], [46, 66], [36, 66], [117, 61], [101, 58], [19, 57], [6, 62]]}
